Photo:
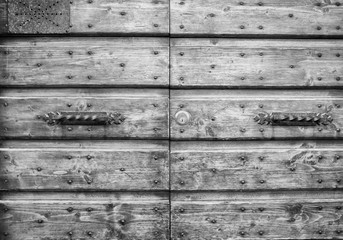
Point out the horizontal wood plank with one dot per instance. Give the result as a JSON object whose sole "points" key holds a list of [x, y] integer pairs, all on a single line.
{"points": [[256, 165], [232, 114], [84, 216], [262, 215], [261, 18], [84, 165], [104, 17], [67, 62], [125, 17], [138, 113], [241, 63]]}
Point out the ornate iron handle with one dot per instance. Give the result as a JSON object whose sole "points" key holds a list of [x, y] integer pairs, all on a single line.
{"points": [[83, 118], [293, 119]]}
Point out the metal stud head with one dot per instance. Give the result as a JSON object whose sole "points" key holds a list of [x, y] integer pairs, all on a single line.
{"points": [[70, 209], [40, 221], [242, 209], [122, 221], [89, 209], [89, 157], [181, 210], [261, 233], [213, 221], [70, 181], [39, 169], [261, 209], [242, 182], [156, 181], [122, 169], [89, 233]]}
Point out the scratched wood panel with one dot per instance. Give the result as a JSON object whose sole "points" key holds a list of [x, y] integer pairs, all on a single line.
{"points": [[232, 114], [137, 113], [259, 215], [84, 165], [257, 17], [256, 165], [84, 216], [66, 62], [3, 17], [256, 63], [125, 17]]}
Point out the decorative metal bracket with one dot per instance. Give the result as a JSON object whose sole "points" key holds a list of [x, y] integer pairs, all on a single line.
{"points": [[83, 118], [293, 119]]}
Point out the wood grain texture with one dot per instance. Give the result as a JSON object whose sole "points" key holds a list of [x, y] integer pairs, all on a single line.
{"points": [[262, 215], [241, 63], [229, 114], [255, 17], [84, 165], [67, 62], [124, 17], [145, 112], [3, 17], [84, 216], [256, 165]]}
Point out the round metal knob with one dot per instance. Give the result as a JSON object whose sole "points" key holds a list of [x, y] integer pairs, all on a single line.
{"points": [[182, 117]]}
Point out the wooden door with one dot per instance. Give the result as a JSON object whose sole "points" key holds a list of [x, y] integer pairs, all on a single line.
{"points": [[171, 119], [84, 120], [251, 154]]}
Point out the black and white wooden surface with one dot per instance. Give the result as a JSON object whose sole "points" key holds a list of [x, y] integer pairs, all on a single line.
{"points": [[171, 119]]}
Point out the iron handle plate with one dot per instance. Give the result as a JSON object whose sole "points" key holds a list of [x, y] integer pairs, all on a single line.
{"points": [[293, 119], [83, 118]]}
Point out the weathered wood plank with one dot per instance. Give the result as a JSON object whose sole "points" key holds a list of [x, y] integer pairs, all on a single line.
{"points": [[233, 114], [268, 17], [81, 61], [256, 63], [125, 17], [84, 216], [262, 215], [256, 165], [84, 165], [3, 17], [137, 113]]}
